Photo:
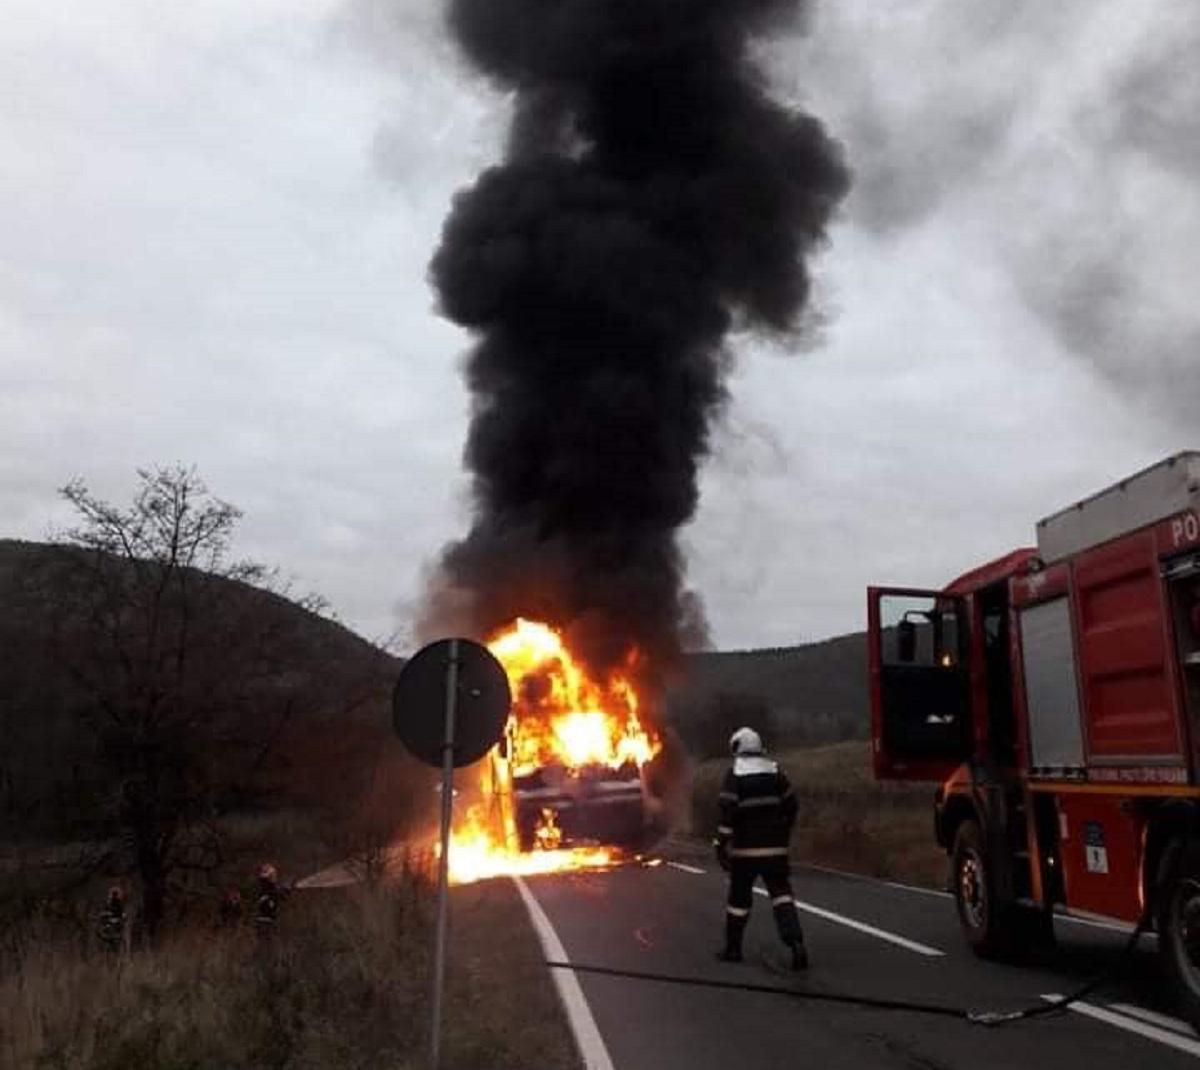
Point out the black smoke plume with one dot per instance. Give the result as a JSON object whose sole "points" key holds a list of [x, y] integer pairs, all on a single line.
{"points": [[653, 196]]}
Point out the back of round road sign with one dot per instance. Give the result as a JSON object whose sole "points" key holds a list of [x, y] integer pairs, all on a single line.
{"points": [[449, 708], [481, 708]]}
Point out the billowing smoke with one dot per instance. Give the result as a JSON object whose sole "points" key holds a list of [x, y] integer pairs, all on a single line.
{"points": [[653, 196]]}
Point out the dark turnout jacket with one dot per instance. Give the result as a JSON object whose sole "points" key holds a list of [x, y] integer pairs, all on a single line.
{"points": [[758, 809]]}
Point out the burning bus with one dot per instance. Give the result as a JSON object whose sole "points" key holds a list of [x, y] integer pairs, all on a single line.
{"points": [[574, 750], [567, 786]]}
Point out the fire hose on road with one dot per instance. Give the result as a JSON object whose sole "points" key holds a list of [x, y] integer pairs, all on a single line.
{"points": [[973, 1016]]}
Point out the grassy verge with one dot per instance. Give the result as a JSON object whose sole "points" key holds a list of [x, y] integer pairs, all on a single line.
{"points": [[847, 819], [342, 982]]}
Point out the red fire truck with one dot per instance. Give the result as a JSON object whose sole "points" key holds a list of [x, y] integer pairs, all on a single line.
{"points": [[1055, 694]]}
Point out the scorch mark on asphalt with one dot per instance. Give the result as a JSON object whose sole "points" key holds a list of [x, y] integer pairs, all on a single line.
{"points": [[643, 936]]}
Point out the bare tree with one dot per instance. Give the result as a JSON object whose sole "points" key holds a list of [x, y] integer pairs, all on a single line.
{"points": [[186, 674]]}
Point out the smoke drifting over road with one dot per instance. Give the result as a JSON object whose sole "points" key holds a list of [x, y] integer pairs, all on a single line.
{"points": [[652, 197]]}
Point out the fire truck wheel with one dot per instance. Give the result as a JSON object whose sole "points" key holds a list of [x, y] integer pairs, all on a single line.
{"points": [[1179, 931], [986, 922]]}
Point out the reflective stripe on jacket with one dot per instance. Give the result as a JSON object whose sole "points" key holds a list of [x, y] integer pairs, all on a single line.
{"points": [[757, 808]]}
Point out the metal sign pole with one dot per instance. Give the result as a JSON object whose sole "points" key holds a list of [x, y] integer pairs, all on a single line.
{"points": [[439, 952]]}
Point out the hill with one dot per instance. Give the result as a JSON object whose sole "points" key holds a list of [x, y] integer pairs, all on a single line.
{"points": [[330, 691], [815, 693], [319, 714]]}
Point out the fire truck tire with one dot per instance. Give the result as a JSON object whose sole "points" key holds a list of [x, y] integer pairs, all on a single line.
{"points": [[1178, 925], [988, 924]]}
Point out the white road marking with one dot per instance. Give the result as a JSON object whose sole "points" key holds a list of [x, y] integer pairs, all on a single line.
{"points": [[862, 878], [863, 927], [915, 888], [579, 1014], [1107, 926], [1074, 919], [685, 868], [1110, 927], [1132, 1025], [1154, 1018]]}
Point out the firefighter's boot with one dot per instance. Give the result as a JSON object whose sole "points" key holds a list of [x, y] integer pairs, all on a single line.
{"points": [[788, 924], [735, 926], [799, 955]]}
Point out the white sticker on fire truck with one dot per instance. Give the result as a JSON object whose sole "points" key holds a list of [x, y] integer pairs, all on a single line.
{"points": [[1185, 528], [1093, 840]]}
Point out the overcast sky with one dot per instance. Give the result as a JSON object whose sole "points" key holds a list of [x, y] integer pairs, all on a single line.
{"points": [[216, 220]]}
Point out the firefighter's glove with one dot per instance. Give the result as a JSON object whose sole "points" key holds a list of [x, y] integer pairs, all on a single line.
{"points": [[722, 854]]}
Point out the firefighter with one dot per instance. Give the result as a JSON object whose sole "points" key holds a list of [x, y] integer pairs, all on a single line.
{"points": [[758, 809], [266, 905], [230, 911], [112, 919]]}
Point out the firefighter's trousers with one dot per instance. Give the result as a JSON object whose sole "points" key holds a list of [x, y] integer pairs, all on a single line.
{"points": [[743, 872]]}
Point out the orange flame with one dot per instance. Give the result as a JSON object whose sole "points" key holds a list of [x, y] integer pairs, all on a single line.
{"points": [[559, 714], [562, 717], [476, 854], [547, 834]]}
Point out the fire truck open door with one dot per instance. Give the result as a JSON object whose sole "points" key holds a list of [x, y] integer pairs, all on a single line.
{"points": [[917, 648]]}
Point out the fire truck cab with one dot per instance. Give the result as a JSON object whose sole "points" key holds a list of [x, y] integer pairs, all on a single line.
{"points": [[1055, 695]]}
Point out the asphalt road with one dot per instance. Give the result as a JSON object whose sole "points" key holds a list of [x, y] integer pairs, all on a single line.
{"points": [[866, 938]]}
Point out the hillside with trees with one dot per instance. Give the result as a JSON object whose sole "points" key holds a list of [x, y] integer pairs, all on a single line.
{"points": [[152, 686], [328, 704], [313, 676], [801, 695]]}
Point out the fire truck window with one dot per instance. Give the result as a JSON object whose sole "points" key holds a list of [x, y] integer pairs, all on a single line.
{"points": [[923, 688], [917, 630]]}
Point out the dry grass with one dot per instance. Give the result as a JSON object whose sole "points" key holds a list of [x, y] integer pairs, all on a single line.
{"points": [[63, 882], [342, 983], [847, 819]]}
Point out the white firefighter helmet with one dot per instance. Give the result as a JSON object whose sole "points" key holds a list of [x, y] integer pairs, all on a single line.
{"points": [[746, 741]]}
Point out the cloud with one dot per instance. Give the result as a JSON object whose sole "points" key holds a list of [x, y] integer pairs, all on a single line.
{"points": [[218, 224], [1112, 262], [1066, 133], [201, 263]]}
